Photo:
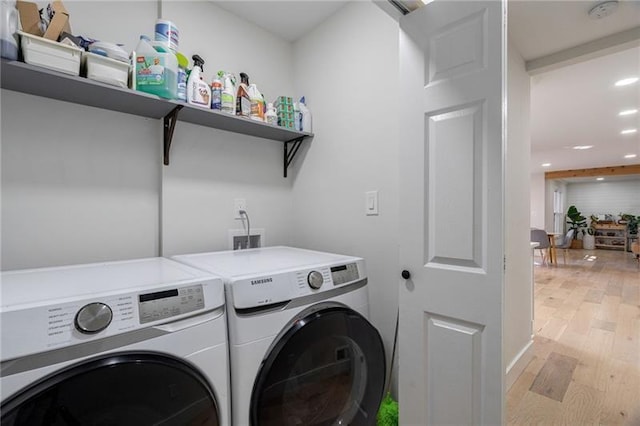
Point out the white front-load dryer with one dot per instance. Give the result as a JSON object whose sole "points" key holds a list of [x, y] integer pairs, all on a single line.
{"points": [[302, 350], [139, 342]]}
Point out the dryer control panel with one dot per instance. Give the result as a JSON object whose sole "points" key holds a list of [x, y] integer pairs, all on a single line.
{"points": [[344, 273], [168, 303], [255, 291]]}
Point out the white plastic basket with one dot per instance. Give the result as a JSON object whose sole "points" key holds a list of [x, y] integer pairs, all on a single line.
{"points": [[50, 54], [106, 70]]}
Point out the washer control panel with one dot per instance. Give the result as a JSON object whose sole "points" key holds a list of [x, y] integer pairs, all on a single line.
{"points": [[169, 303], [344, 273]]}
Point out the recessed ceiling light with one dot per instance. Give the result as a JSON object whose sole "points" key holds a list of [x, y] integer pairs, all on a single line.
{"points": [[546, 164], [628, 131], [583, 147], [630, 156], [626, 81], [600, 178], [628, 112]]}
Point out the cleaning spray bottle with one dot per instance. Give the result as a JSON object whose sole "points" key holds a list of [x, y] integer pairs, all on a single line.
{"points": [[198, 92], [227, 98]]}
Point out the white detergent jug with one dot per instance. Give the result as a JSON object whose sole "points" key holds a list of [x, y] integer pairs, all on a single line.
{"points": [[10, 24]]}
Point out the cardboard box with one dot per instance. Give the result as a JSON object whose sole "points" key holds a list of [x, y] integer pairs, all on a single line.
{"points": [[30, 19]]}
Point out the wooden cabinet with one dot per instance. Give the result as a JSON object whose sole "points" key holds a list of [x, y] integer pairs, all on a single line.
{"points": [[611, 236]]}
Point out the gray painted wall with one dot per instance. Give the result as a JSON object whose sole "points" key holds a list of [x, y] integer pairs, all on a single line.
{"points": [[518, 293], [350, 90]]}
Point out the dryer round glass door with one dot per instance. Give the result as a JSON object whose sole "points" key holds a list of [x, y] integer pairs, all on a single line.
{"points": [[119, 389], [327, 368]]}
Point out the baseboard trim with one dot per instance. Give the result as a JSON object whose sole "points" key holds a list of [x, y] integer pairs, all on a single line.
{"points": [[519, 363]]}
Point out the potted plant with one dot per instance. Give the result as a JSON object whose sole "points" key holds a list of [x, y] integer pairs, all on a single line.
{"points": [[631, 221], [576, 222]]}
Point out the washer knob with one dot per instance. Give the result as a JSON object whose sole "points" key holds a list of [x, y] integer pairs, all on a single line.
{"points": [[93, 318], [315, 280]]}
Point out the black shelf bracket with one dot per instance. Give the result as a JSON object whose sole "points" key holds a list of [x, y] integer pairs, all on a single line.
{"points": [[290, 153], [169, 126]]}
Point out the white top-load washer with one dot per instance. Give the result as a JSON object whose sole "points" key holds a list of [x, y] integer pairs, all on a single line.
{"points": [[302, 351], [140, 342]]}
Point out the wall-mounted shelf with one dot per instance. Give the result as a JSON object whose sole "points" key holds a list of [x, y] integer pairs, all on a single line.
{"points": [[38, 81]]}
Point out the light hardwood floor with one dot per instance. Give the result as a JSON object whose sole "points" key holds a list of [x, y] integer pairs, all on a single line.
{"points": [[586, 369]]}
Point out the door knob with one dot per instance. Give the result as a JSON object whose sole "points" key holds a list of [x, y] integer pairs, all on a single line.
{"points": [[406, 274]]}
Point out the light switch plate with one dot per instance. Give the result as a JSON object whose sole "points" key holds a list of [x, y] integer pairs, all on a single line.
{"points": [[371, 203]]}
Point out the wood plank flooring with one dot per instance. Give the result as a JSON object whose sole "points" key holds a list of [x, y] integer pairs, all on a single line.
{"points": [[586, 368]]}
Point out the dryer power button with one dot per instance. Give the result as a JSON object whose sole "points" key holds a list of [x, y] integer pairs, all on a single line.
{"points": [[93, 318], [315, 280]]}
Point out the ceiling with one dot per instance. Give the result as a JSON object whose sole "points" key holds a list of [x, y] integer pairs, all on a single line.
{"points": [[288, 19], [578, 104], [572, 105], [540, 27]]}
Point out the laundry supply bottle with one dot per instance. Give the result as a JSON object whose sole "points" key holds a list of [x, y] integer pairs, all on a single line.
{"points": [[198, 92], [216, 91], [257, 111], [183, 64], [306, 122], [10, 24], [228, 96], [156, 69], [271, 116], [296, 116], [243, 102]]}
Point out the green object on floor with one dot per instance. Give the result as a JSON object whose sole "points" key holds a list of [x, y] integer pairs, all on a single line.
{"points": [[388, 412]]}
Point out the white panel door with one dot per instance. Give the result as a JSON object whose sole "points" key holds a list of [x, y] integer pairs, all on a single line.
{"points": [[452, 67]]}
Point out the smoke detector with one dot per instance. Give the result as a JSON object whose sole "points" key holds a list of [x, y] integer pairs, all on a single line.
{"points": [[604, 9]]}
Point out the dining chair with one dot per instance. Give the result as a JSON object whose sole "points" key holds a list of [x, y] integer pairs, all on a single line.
{"points": [[565, 245], [541, 237]]}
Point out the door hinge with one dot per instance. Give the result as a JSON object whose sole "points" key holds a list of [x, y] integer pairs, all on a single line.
{"points": [[504, 263]]}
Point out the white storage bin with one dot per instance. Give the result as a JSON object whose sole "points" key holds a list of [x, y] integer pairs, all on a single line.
{"points": [[50, 54], [106, 70]]}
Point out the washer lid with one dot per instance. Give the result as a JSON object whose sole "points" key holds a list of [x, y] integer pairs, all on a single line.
{"points": [[30, 286], [233, 264]]}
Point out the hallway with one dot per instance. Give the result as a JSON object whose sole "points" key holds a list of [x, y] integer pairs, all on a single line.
{"points": [[586, 368]]}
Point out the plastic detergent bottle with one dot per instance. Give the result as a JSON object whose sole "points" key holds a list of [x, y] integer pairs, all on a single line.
{"points": [[156, 69], [296, 116], [198, 92], [271, 116], [183, 64], [228, 96], [243, 102], [9, 47], [306, 123], [257, 112], [216, 91]]}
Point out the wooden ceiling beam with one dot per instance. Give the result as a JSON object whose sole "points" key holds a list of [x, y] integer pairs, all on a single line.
{"points": [[631, 169]]}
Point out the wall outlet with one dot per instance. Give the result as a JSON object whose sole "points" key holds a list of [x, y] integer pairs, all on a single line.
{"points": [[238, 238], [239, 204]]}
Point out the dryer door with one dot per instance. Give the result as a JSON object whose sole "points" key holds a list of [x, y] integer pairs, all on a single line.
{"points": [[119, 389], [326, 368]]}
